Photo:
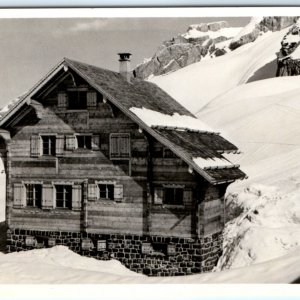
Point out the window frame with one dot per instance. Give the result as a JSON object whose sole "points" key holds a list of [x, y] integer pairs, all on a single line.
{"points": [[107, 191], [119, 135], [84, 136], [34, 192], [51, 147], [174, 187], [78, 91], [70, 186], [174, 201]]}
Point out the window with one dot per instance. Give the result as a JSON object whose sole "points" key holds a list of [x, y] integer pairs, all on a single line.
{"points": [[173, 196], [84, 141], [63, 196], [34, 195], [48, 145], [77, 99], [106, 191], [119, 145]]}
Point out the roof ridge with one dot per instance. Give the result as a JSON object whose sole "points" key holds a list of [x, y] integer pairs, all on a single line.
{"points": [[69, 60]]}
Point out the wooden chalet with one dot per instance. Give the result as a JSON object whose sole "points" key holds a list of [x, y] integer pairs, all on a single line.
{"points": [[85, 171]]}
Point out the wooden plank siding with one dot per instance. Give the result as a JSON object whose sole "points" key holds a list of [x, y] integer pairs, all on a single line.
{"points": [[135, 213]]}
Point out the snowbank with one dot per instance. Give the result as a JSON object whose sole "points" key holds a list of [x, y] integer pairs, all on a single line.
{"points": [[268, 226], [155, 118], [196, 85], [60, 265]]}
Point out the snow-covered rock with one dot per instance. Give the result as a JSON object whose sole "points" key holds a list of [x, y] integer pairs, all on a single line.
{"points": [[185, 49], [248, 34], [289, 54], [204, 40], [259, 25]]}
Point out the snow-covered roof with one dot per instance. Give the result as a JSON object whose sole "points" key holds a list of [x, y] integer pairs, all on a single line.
{"points": [[155, 118]]}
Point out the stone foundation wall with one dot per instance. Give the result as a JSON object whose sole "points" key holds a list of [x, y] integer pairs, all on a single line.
{"points": [[150, 255]]}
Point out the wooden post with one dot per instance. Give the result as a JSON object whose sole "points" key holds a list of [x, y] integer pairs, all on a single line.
{"points": [[150, 188], [85, 205]]}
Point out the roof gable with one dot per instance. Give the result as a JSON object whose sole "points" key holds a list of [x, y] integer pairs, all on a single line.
{"points": [[146, 95]]}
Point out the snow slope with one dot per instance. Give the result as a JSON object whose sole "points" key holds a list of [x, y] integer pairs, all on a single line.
{"points": [[263, 119], [267, 227], [196, 85], [60, 265]]}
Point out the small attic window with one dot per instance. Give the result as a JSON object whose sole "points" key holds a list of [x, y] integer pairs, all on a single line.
{"points": [[77, 99]]}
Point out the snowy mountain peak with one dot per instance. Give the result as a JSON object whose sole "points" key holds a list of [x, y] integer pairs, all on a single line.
{"points": [[200, 40], [205, 41], [204, 27]]}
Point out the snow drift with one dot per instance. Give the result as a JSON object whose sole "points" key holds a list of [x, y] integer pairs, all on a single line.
{"points": [[59, 265]]}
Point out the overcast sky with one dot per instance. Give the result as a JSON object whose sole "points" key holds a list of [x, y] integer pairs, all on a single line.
{"points": [[29, 48]]}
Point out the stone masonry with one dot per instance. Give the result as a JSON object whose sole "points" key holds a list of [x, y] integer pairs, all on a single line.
{"points": [[150, 255]]}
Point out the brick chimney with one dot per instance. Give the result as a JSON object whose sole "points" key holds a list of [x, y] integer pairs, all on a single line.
{"points": [[124, 68]]}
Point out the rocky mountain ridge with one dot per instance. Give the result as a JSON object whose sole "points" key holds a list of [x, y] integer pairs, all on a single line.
{"points": [[288, 58], [205, 41]]}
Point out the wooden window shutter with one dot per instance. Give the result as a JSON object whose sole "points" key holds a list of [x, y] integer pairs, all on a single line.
{"points": [[118, 192], [124, 146], [70, 142], [47, 196], [187, 196], [91, 99], [76, 197], [95, 142], [19, 195], [114, 146], [60, 141], [158, 195], [62, 100], [36, 146], [92, 191]]}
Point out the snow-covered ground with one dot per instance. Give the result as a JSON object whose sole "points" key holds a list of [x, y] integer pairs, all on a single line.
{"points": [[196, 85], [60, 265]]}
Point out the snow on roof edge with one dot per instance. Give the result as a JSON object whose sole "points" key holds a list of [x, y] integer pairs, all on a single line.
{"points": [[212, 163], [157, 119]]}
